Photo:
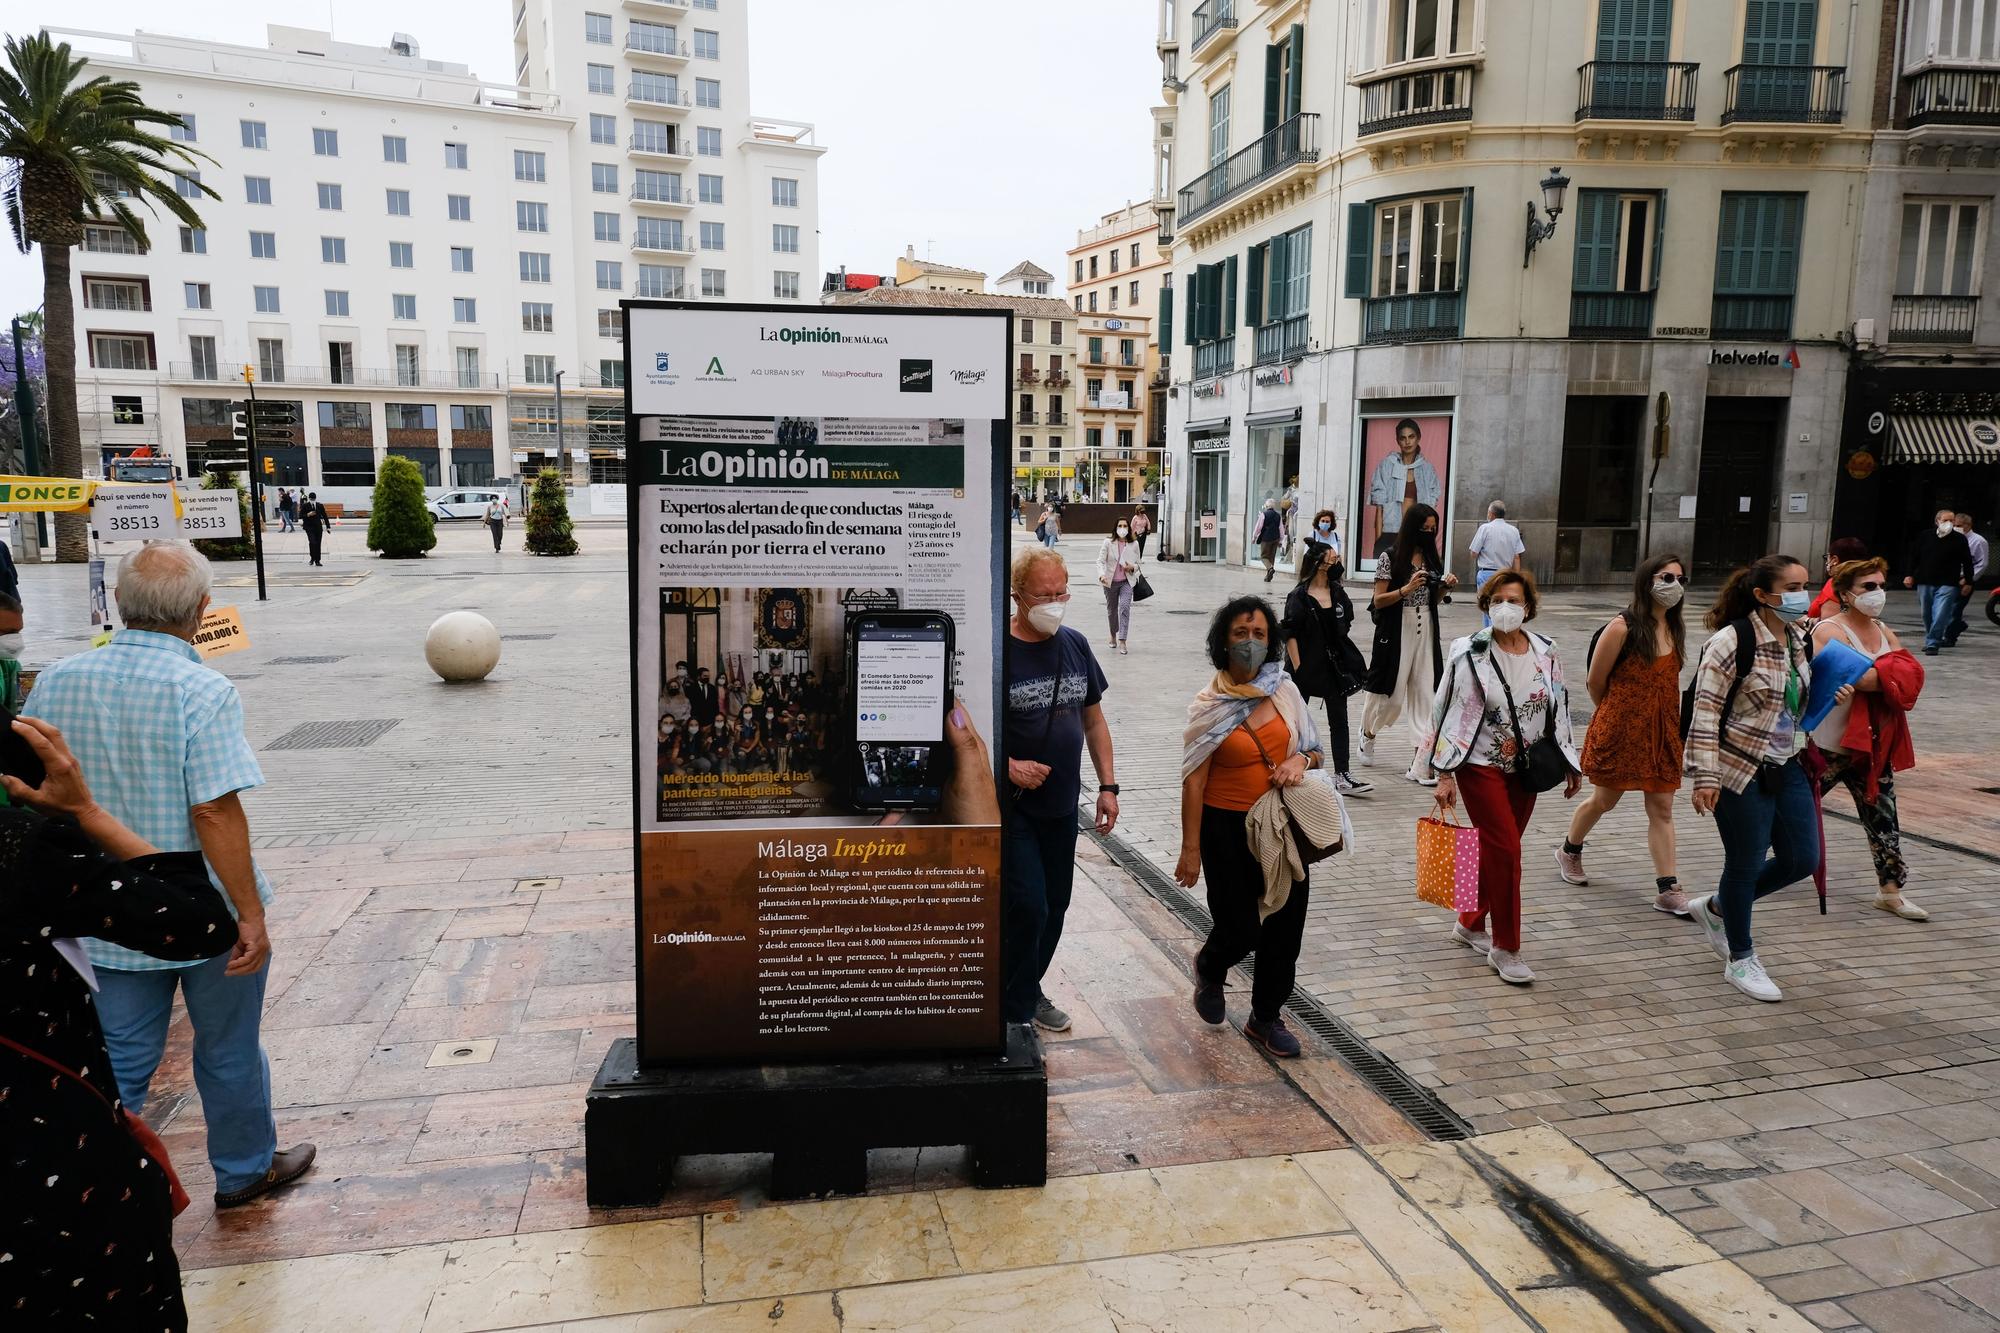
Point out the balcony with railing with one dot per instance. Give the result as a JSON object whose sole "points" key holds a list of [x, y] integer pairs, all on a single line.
{"points": [[129, 302], [1215, 358], [662, 148], [638, 94], [1212, 17], [111, 241], [1282, 340], [660, 291], [653, 196], [1636, 89], [333, 376], [1765, 317], [1610, 314], [1933, 319], [1414, 317], [657, 8], [1130, 359], [1264, 163], [1416, 100], [1057, 379], [662, 245], [1784, 94], [1057, 419], [1948, 95], [658, 50], [1027, 375], [1027, 418]]}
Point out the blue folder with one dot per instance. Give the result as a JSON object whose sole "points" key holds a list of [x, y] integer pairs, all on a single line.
{"points": [[1832, 667]]}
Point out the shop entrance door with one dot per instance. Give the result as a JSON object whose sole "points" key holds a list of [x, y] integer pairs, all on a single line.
{"points": [[1739, 456], [1208, 503]]}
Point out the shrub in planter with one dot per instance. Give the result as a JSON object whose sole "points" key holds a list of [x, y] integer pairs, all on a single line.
{"points": [[549, 529], [400, 524]]}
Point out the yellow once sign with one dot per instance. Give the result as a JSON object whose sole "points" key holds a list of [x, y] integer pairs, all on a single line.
{"points": [[30, 494]]}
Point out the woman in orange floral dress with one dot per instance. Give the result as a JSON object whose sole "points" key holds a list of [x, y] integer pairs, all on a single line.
{"points": [[1634, 742]]}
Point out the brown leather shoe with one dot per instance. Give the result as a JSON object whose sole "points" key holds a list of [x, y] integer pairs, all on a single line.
{"points": [[287, 1165]]}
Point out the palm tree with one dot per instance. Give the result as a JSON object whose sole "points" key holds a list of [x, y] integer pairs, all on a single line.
{"points": [[77, 151]]}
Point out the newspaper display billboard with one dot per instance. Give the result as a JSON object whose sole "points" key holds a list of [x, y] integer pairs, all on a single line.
{"points": [[818, 580]]}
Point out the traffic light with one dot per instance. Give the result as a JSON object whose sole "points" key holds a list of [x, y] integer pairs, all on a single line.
{"points": [[239, 427]]}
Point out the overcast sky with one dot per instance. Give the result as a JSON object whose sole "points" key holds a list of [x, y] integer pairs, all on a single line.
{"points": [[985, 134]]}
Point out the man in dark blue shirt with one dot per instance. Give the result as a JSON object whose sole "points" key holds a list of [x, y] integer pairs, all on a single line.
{"points": [[1053, 688]]}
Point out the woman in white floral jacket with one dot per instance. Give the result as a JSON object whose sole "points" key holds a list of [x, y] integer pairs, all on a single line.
{"points": [[1502, 692]]}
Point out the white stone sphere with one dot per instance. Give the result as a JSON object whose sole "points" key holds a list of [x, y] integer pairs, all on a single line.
{"points": [[462, 645]]}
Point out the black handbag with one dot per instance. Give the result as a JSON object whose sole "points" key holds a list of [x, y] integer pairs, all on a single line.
{"points": [[1141, 589], [1542, 766]]}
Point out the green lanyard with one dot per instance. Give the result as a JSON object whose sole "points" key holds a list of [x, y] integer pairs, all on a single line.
{"points": [[1794, 704]]}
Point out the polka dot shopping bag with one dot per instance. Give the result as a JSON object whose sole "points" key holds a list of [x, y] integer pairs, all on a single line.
{"points": [[1447, 862]]}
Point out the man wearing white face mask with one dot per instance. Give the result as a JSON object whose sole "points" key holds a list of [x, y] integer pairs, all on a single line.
{"points": [[1054, 686], [1941, 572]]}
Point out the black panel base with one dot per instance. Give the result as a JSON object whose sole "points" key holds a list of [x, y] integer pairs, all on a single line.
{"points": [[819, 1121]]}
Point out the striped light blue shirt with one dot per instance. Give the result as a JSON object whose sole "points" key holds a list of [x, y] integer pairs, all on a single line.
{"points": [[157, 733]]}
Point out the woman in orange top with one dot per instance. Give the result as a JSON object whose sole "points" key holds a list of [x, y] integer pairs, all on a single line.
{"points": [[1251, 703]]}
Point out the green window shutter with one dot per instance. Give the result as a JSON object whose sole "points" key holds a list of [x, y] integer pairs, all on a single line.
{"points": [[1298, 273], [1297, 41], [1779, 32], [1228, 327], [1278, 278], [1253, 290], [1465, 245], [1787, 213], [1191, 306], [1728, 223], [1096, 350], [1360, 240], [1659, 236], [1274, 57], [1166, 314], [1757, 244], [1634, 29], [1596, 241]]}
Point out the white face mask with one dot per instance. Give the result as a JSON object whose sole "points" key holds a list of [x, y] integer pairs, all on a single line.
{"points": [[1047, 616], [1946, 529], [10, 645], [1668, 594], [1870, 603], [1507, 616], [1123, 532]]}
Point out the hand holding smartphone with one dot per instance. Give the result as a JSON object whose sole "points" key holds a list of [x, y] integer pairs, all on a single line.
{"points": [[898, 695]]}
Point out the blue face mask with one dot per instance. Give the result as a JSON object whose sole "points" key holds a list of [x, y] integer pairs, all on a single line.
{"points": [[1794, 605]]}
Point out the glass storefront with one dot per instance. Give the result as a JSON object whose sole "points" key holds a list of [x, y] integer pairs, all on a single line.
{"points": [[1208, 495], [1274, 476]]}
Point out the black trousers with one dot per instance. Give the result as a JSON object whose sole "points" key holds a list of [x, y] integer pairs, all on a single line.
{"points": [[1235, 884], [498, 528], [313, 534], [1336, 731]]}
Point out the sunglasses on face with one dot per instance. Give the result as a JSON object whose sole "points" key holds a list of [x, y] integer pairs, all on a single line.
{"points": [[1670, 578]]}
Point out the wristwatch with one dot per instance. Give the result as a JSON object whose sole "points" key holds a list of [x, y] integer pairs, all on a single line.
{"points": [[1111, 787]]}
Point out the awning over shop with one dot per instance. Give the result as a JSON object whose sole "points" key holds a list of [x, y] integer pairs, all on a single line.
{"points": [[1943, 439]]}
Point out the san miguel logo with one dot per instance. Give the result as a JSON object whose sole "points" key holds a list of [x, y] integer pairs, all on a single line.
{"points": [[916, 377]]}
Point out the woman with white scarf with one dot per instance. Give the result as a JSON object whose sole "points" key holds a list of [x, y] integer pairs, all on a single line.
{"points": [[1248, 731]]}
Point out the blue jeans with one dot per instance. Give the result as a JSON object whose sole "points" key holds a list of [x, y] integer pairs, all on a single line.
{"points": [[1957, 626], [230, 1070], [1939, 603], [1041, 870], [1753, 822], [1478, 582]]}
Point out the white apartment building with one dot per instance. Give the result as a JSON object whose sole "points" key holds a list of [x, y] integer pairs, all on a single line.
{"points": [[1336, 289], [413, 257]]}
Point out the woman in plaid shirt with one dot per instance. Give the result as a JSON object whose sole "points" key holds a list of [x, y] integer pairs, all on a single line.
{"points": [[1743, 754]]}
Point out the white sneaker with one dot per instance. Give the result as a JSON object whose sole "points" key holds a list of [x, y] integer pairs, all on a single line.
{"points": [[1349, 785], [1476, 940], [1515, 972], [1702, 910], [1748, 975], [1367, 749], [1569, 865]]}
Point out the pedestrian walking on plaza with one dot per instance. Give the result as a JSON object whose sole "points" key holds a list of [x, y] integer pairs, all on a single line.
{"points": [[1839, 551], [1117, 568], [1142, 527], [288, 509], [1248, 731], [1867, 734], [1054, 686], [1407, 660], [313, 518], [1744, 752], [1319, 618], [1981, 552], [1270, 531], [1499, 733], [1049, 527], [1496, 545], [1941, 572], [496, 520], [1323, 531], [91, 1237], [1634, 741], [162, 737]]}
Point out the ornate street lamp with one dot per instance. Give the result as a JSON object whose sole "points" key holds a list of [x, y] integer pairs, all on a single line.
{"points": [[1554, 186]]}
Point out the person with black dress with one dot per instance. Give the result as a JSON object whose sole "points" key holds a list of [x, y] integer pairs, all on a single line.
{"points": [[313, 518], [89, 1240], [1324, 661], [1407, 661]]}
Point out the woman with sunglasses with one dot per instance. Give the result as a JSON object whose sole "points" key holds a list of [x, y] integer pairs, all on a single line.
{"points": [[1886, 692], [1634, 742]]}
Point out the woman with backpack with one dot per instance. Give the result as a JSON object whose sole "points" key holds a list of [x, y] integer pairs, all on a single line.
{"points": [[1499, 735], [1634, 741], [1744, 751]]}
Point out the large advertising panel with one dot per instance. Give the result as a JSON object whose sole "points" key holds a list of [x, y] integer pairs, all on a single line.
{"points": [[1405, 461], [817, 598]]}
